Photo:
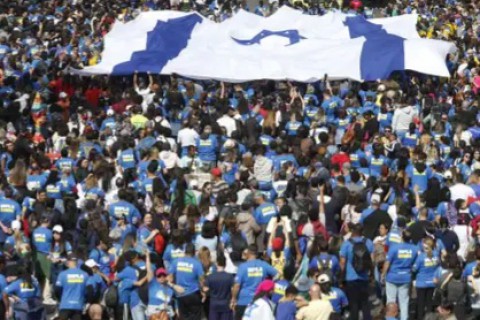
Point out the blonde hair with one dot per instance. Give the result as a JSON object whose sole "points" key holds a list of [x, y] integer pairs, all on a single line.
{"points": [[205, 258], [18, 174]]}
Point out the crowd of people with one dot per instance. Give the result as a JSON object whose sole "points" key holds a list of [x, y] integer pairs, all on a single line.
{"points": [[160, 197]]}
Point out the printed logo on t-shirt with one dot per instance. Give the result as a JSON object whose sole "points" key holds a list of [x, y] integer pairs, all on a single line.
{"points": [[255, 272], [185, 267], [75, 278], [405, 254], [7, 208]]}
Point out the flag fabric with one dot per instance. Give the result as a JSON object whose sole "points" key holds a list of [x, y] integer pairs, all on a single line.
{"points": [[286, 45]]}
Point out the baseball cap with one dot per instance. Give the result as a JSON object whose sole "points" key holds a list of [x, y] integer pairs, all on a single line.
{"points": [[161, 272], [72, 257], [216, 172], [323, 278], [16, 225], [265, 286], [277, 244], [58, 228], [91, 263]]}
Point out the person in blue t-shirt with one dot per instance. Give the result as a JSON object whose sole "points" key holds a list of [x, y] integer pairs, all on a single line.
{"points": [[249, 275], [160, 291], [128, 157], [64, 162], [71, 287], [424, 268], [419, 173], [264, 211], [207, 147], [357, 281], [101, 256], [10, 210], [286, 307], [127, 278], [187, 272], [26, 294], [123, 208], [397, 272]]}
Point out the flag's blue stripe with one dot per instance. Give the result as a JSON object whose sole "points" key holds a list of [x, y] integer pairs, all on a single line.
{"points": [[164, 43], [382, 53], [292, 35]]}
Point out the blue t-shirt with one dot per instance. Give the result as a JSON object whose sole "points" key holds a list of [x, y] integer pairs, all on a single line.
{"points": [[126, 209], [171, 253], [103, 259], [22, 289], [425, 268], [73, 283], [418, 178], [207, 148], [127, 292], [42, 239], [337, 298], [9, 211], [265, 212], [249, 275], [187, 271], [286, 310], [401, 258], [127, 159], [159, 295], [64, 164], [346, 251]]}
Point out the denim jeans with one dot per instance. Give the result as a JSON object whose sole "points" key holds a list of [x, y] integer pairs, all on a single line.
{"points": [[138, 312], [399, 292]]}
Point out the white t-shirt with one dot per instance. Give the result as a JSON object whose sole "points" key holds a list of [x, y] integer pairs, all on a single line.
{"points": [[229, 124], [260, 309], [187, 137], [461, 191]]}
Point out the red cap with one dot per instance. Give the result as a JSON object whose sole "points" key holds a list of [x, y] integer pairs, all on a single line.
{"points": [[265, 286], [161, 272], [216, 172], [277, 244]]}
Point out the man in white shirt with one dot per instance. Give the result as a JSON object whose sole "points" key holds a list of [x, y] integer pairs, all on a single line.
{"points": [[460, 190], [187, 136], [228, 122]]}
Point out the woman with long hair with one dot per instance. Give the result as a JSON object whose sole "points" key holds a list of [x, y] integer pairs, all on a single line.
{"points": [[18, 242], [59, 251], [17, 177], [26, 294], [424, 267]]}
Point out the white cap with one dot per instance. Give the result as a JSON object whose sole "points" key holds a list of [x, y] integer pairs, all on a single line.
{"points": [[110, 112], [91, 263], [62, 95], [58, 228], [323, 278], [375, 198], [16, 225], [448, 174]]}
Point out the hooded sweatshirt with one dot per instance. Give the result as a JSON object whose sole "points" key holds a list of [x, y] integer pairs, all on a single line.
{"points": [[402, 117]]}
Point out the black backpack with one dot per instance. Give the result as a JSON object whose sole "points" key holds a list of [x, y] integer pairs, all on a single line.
{"points": [[324, 266], [111, 296], [362, 260], [238, 245], [142, 290]]}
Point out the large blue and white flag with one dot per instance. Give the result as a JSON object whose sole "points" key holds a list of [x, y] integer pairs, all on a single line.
{"points": [[286, 45]]}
